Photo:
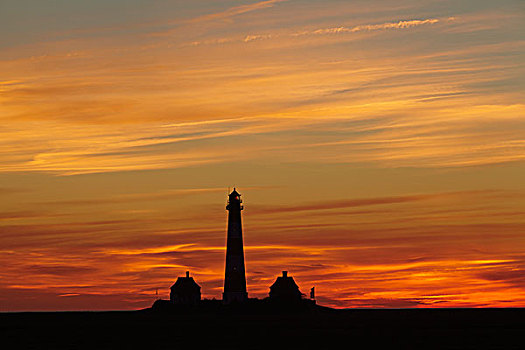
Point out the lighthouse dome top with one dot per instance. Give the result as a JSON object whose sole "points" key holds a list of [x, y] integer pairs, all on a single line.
{"points": [[234, 201], [235, 194]]}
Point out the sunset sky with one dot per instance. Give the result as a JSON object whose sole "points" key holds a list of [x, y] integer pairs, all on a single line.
{"points": [[379, 147]]}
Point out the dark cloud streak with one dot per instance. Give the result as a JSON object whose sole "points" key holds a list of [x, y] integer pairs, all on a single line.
{"points": [[350, 203]]}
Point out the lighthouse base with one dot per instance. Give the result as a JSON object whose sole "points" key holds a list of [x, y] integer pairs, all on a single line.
{"points": [[234, 297]]}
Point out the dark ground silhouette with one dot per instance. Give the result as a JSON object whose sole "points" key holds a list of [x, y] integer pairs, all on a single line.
{"points": [[227, 329]]}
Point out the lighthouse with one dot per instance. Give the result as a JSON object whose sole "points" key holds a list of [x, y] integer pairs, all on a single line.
{"points": [[234, 275]]}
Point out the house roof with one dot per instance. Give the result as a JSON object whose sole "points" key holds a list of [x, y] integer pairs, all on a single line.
{"points": [[285, 285], [185, 285]]}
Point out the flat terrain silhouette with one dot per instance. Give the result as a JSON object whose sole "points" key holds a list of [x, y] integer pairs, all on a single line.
{"points": [[314, 329]]}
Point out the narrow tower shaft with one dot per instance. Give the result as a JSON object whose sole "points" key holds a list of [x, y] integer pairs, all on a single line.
{"points": [[235, 275]]}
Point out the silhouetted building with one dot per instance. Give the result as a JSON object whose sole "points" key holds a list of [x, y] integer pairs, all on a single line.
{"points": [[185, 291], [285, 289], [235, 275]]}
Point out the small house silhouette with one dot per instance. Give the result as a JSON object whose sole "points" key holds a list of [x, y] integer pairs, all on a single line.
{"points": [[185, 291], [285, 289]]}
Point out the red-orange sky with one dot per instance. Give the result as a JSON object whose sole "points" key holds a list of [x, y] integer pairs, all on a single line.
{"points": [[379, 147]]}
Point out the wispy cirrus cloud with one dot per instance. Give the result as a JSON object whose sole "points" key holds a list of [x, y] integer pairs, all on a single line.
{"points": [[142, 197], [225, 16], [238, 10], [17, 215], [372, 27], [402, 24], [7, 190], [352, 203]]}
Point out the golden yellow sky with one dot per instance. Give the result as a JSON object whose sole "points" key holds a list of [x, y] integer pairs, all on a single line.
{"points": [[379, 147]]}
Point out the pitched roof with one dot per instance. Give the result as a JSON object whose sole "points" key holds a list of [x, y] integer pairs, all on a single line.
{"points": [[285, 286], [185, 285]]}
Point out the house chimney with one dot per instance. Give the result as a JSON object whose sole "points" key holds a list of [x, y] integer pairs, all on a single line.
{"points": [[187, 274], [285, 274]]}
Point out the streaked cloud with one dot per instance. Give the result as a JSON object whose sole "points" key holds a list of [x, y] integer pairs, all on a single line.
{"points": [[238, 10], [371, 27], [352, 203], [326, 31]]}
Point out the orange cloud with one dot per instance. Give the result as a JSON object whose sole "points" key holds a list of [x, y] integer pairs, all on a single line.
{"points": [[371, 27], [324, 31], [238, 10], [338, 204]]}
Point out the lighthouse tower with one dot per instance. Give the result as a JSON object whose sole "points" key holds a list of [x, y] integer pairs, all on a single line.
{"points": [[235, 276]]}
